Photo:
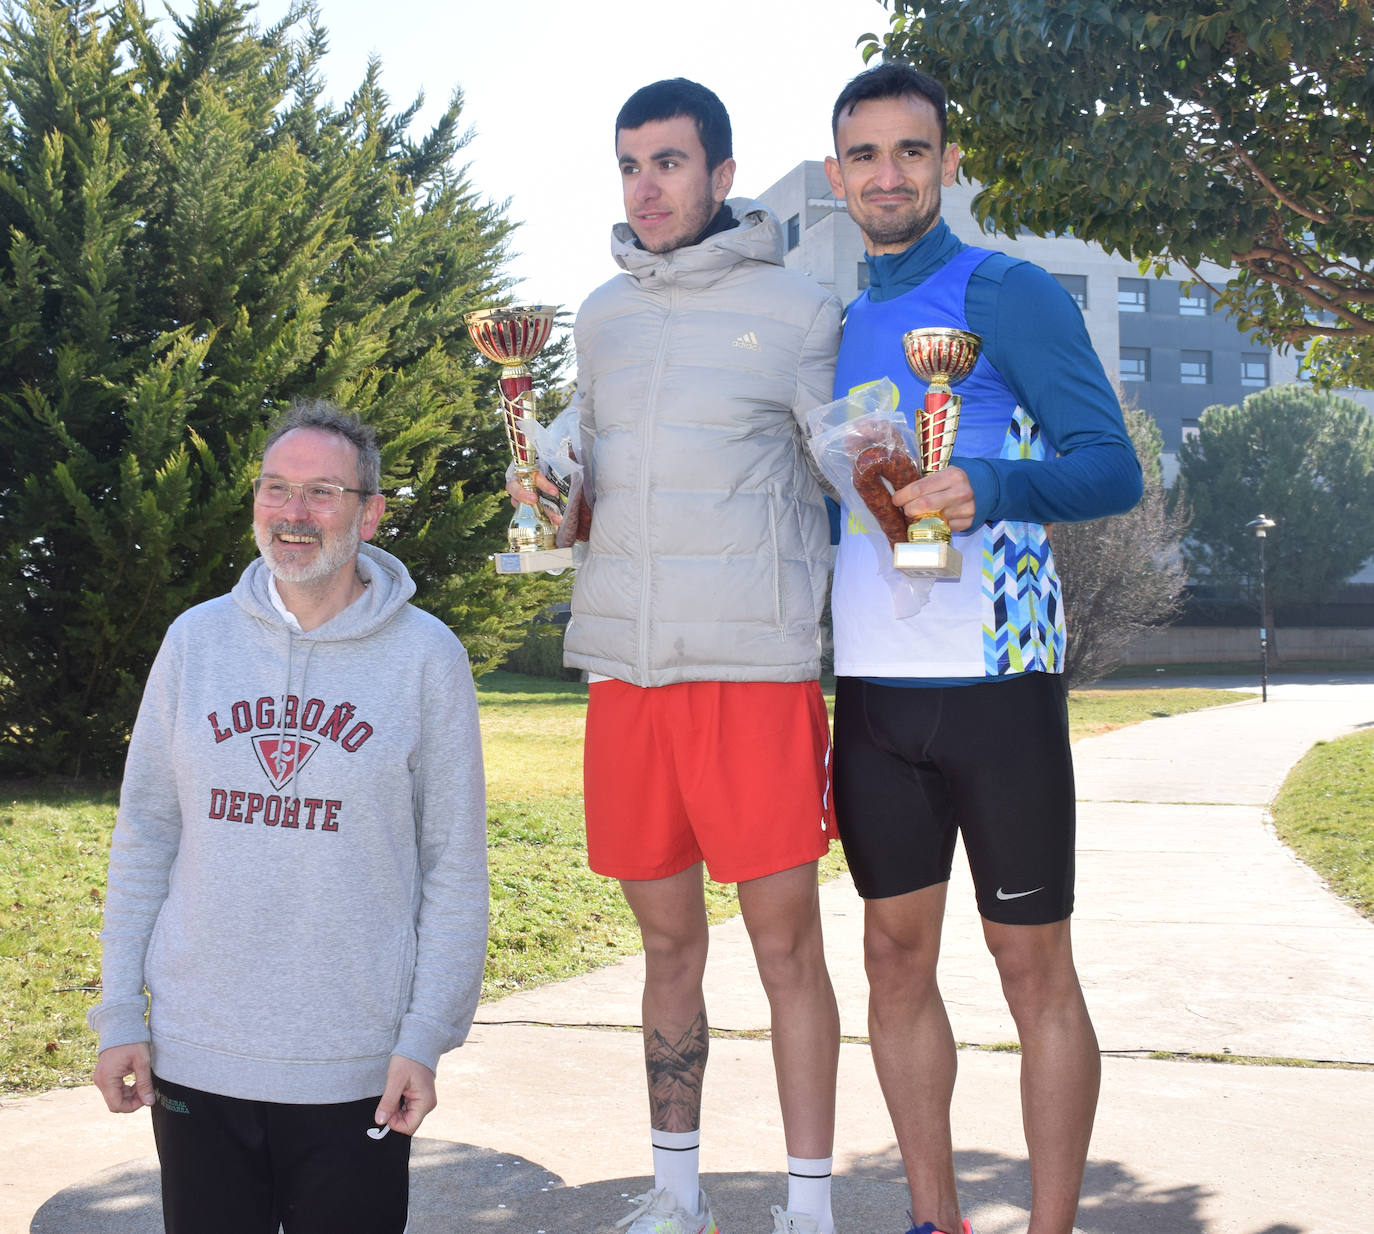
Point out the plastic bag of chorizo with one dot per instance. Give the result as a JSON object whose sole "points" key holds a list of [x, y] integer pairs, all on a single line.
{"points": [[866, 451], [558, 444]]}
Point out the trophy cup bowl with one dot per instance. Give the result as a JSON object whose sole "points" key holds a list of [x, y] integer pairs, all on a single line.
{"points": [[940, 356], [511, 337]]}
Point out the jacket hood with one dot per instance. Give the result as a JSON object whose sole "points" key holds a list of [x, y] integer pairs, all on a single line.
{"points": [[756, 237], [389, 587]]}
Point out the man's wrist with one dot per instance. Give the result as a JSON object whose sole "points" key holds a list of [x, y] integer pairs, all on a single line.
{"points": [[983, 480]]}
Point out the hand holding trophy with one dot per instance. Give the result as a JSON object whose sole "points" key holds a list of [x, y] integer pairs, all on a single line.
{"points": [[512, 336], [941, 356]]}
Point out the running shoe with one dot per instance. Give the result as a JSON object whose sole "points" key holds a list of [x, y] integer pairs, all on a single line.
{"points": [[929, 1227], [793, 1223], [658, 1212]]}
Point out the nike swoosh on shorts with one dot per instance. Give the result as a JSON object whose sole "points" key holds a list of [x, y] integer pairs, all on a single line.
{"points": [[1016, 895]]}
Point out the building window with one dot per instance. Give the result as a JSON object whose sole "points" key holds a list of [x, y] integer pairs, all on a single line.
{"points": [[862, 283], [1190, 430], [1077, 286], [1135, 364], [1195, 368], [1195, 302], [1254, 368], [1132, 295], [793, 232]]}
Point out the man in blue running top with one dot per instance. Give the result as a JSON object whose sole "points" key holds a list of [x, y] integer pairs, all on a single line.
{"points": [[953, 721]]}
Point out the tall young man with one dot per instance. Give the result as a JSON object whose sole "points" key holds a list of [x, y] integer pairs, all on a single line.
{"points": [[954, 720], [696, 615], [296, 916]]}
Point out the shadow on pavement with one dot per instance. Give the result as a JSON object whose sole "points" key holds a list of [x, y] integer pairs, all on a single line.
{"points": [[453, 1187], [458, 1187]]}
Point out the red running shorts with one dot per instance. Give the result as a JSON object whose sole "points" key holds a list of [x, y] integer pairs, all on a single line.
{"points": [[732, 773]]}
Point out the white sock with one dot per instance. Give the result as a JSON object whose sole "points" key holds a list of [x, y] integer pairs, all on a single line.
{"points": [[808, 1189], [677, 1163]]}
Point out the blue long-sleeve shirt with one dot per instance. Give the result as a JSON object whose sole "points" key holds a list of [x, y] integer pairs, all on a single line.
{"points": [[1033, 335]]}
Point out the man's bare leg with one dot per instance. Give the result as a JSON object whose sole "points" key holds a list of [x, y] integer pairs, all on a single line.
{"points": [[783, 916], [672, 923], [1061, 1067], [912, 1043]]}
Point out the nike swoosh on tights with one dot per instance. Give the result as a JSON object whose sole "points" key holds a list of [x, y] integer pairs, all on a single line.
{"points": [[1016, 895]]}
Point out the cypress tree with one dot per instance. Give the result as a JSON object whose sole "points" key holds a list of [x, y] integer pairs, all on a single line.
{"points": [[191, 236]]}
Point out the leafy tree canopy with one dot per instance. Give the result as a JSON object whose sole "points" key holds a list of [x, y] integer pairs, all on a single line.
{"points": [[1304, 459], [191, 236], [1177, 131]]}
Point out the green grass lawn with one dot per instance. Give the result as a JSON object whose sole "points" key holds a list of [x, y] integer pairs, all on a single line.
{"points": [[1098, 710], [1325, 814], [52, 885], [551, 918]]}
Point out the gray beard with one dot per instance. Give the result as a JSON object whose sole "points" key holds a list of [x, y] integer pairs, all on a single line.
{"points": [[333, 555]]}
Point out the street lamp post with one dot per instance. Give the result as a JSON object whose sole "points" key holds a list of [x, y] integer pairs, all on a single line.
{"points": [[1260, 526]]}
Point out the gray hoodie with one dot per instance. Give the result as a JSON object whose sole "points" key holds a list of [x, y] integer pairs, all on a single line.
{"points": [[298, 874]]}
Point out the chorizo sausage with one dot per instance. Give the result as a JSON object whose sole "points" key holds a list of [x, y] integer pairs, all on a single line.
{"points": [[879, 471], [577, 518]]}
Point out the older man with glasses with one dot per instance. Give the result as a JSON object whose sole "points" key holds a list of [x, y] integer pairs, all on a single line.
{"points": [[296, 917]]}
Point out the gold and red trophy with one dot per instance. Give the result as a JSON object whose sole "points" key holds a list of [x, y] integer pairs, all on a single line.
{"points": [[941, 356], [512, 336]]}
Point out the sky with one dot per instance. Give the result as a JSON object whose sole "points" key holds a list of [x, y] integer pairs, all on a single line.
{"points": [[542, 81]]}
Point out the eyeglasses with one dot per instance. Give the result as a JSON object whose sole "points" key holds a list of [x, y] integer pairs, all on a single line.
{"points": [[316, 494]]}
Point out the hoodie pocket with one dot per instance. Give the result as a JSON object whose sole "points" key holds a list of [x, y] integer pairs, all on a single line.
{"points": [[315, 1000]]}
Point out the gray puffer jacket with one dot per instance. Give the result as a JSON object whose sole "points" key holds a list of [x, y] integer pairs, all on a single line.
{"points": [[709, 546]]}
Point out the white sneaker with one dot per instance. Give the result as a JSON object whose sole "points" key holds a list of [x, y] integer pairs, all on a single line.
{"points": [[658, 1212], [793, 1223]]}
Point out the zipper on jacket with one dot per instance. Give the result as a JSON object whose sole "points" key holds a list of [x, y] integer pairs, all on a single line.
{"points": [[645, 541], [777, 560]]}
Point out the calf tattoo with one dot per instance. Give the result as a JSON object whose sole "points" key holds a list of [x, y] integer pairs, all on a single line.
{"points": [[675, 1073]]}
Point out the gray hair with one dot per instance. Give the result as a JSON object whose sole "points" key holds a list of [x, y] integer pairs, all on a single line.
{"points": [[320, 414]]}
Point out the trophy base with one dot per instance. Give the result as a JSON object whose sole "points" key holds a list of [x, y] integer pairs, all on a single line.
{"points": [[928, 560], [536, 560]]}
